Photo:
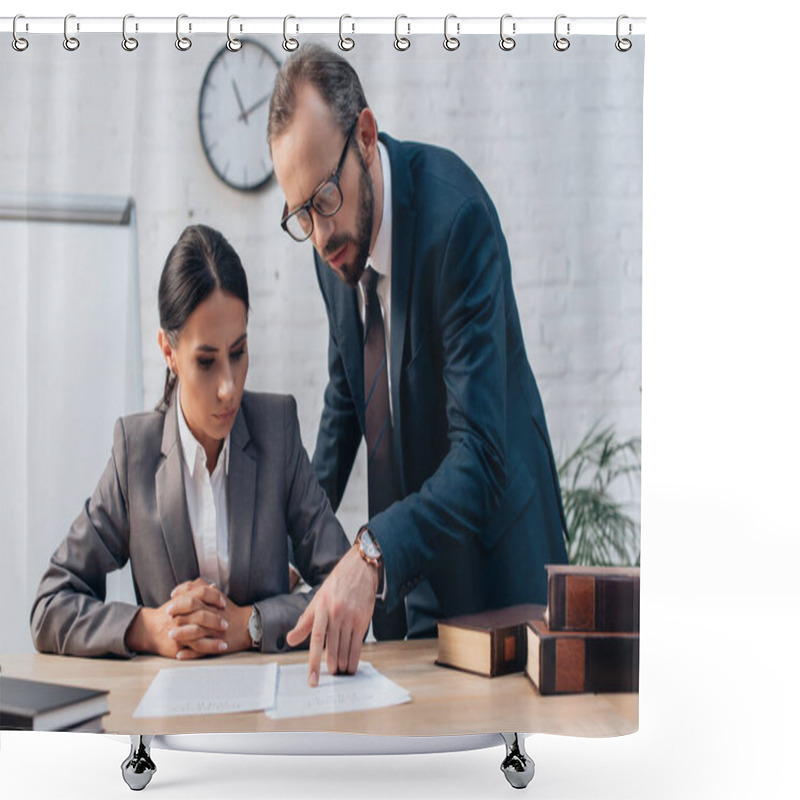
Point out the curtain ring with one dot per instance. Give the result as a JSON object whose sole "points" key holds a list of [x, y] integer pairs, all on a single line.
{"points": [[561, 43], [345, 42], [623, 45], [507, 42], [233, 44], [128, 42], [451, 43], [70, 42], [289, 44], [401, 42], [183, 43], [18, 43]]}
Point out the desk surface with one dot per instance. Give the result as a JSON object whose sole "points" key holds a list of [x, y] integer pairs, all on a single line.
{"points": [[443, 701]]}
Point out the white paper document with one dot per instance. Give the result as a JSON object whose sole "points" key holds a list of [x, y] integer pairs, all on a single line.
{"points": [[180, 691], [335, 693]]}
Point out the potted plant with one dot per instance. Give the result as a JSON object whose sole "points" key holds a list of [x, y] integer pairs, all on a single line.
{"points": [[601, 533]]}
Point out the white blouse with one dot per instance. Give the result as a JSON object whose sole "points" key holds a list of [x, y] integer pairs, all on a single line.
{"points": [[207, 503]]}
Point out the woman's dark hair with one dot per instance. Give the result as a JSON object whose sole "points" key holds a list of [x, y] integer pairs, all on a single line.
{"points": [[201, 261]]}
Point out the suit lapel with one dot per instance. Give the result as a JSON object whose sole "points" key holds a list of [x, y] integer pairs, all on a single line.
{"points": [[171, 502], [403, 222], [242, 470]]}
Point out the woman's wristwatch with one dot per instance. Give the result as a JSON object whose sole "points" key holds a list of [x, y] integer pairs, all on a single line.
{"points": [[255, 628], [370, 551]]}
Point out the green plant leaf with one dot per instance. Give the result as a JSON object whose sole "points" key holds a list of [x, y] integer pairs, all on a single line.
{"points": [[601, 533]]}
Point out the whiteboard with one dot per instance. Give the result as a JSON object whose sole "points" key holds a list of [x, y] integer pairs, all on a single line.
{"points": [[70, 364]]}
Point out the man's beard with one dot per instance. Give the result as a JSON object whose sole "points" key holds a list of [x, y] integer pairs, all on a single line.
{"points": [[351, 272]]}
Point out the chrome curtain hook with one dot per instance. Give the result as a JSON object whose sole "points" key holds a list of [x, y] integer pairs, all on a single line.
{"points": [[345, 42], [70, 42], [128, 42], [401, 42], [507, 42], [18, 43], [623, 45], [183, 43], [233, 44], [289, 44], [561, 43], [451, 42]]}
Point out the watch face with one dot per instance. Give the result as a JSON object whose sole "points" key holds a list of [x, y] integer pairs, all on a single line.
{"points": [[368, 546], [233, 112], [254, 626]]}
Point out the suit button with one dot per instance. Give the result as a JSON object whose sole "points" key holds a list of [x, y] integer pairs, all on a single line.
{"points": [[281, 643]]}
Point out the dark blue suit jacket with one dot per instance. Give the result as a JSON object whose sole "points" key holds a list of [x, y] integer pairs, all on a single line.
{"points": [[482, 512]]}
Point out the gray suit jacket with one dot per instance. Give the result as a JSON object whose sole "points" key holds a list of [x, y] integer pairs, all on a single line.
{"points": [[138, 512]]}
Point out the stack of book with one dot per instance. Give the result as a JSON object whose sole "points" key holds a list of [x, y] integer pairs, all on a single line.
{"points": [[34, 706], [490, 643], [588, 638]]}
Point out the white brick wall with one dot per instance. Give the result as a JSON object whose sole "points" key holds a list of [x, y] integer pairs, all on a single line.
{"points": [[555, 137]]}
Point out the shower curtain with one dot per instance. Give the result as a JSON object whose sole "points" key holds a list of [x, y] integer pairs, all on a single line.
{"points": [[110, 152]]}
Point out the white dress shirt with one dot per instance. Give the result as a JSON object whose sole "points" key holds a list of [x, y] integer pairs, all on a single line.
{"points": [[380, 259], [207, 503]]}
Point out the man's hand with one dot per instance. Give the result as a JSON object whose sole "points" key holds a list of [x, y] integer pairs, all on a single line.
{"points": [[338, 616]]}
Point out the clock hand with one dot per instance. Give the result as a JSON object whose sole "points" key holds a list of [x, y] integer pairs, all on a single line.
{"points": [[243, 115], [246, 114]]}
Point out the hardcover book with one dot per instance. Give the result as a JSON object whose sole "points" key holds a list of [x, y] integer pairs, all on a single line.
{"points": [[592, 598], [490, 643], [561, 662], [34, 706]]}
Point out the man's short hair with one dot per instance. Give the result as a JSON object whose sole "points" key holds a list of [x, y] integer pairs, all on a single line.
{"points": [[329, 73]]}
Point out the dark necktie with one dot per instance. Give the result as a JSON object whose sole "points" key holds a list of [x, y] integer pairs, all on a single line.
{"points": [[378, 425]]}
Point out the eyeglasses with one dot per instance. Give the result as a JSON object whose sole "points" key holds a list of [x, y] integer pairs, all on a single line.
{"points": [[326, 201]]}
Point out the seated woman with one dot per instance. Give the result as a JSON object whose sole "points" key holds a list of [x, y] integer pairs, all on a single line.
{"points": [[200, 495]]}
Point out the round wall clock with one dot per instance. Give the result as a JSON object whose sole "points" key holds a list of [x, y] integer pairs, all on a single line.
{"points": [[233, 111]]}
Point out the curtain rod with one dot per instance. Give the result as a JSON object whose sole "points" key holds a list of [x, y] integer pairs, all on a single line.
{"points": [[347, 25]]}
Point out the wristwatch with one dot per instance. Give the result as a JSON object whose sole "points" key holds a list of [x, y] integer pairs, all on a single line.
{"points": [[370, 551], [255, 628]]}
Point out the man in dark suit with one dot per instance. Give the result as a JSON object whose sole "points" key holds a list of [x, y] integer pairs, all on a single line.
{"points": [[426, 362]]}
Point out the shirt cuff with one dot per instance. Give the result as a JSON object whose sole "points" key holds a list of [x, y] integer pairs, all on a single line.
{"points": [[382, 595]]}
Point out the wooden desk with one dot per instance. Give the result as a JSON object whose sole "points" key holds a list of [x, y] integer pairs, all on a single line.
{"points": [[444, 701]]}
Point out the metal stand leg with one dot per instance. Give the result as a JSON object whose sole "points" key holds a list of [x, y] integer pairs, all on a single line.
{"points": [[517, 766], [138, 768]]}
